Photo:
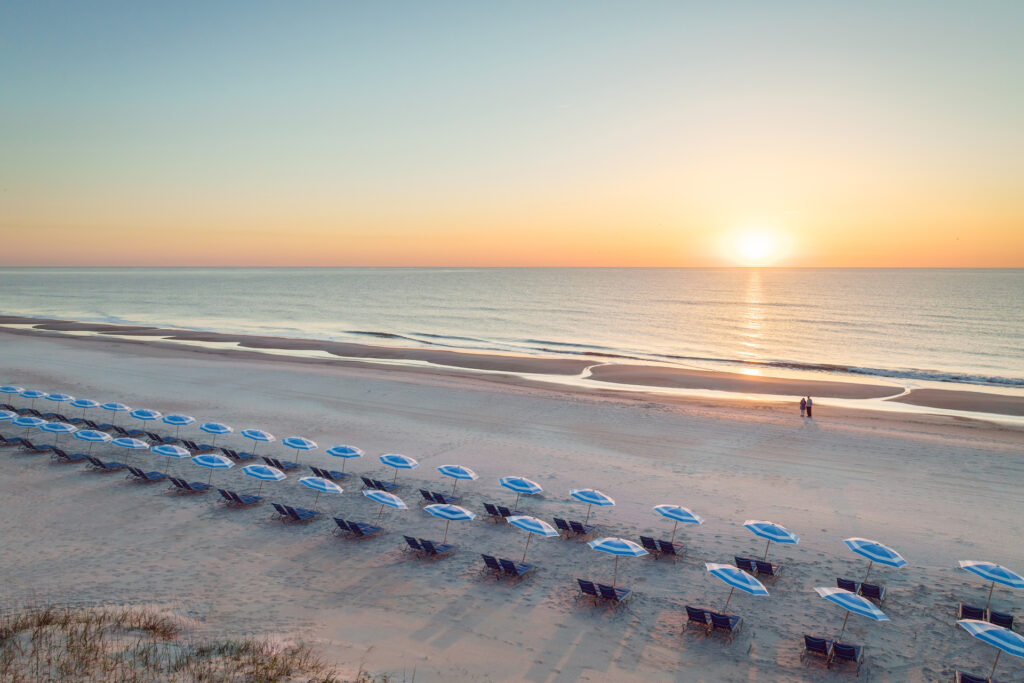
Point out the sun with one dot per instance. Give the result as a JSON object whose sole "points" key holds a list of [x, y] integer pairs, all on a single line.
{"points": [[756, 246]]}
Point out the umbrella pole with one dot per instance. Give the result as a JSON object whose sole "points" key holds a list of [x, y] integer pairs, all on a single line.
{"points": [[674, 527], [998, 652], [296, 456], [445, 540], [260, 489], [395, 480], [728, 599], [454, 485], [210, 480], [589, 505], [615, 576], [381, 511], [870, 562], [214, 443], [516, 504], [255, 445], [528, 537], [316, 499], [90, 449], [168, 465], [766, 549], [843, 630], [989, 601]]}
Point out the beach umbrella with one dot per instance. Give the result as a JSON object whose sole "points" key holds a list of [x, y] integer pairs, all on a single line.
{"points": [[617, 547], [212, 462], [736, 578], [257, 436], [532, 525], [58, 428], [6, 415], [344, 452], [1003, 639], [457, 472], [178, 421], [320, 485], [678, 513], [852, 603], [144, 415], [12, 390], [385, 498], [33, 395], [28, 422], [448, 513], [130, 444], [299, 444], [215, 428], [520, 485], [115, 408], [91, 436], [399, 462], [170, 452], [875, 552], [59, 398], [591, 497], [84, 404], [772, 532], [994, 573], [263, 473]]}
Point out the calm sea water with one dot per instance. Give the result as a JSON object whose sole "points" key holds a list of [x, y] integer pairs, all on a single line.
{"points": [[960, 326]]}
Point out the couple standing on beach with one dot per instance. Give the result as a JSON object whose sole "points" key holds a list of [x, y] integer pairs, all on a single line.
{"points": [[806, 404]]}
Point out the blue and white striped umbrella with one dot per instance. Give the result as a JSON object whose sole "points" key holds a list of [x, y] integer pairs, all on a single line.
{"points": [[678, 513], [533, 526], [399, 462], [299, 444], [736, 578], [11, 389], [146, 415], [257, 436], [215, 428], [130, 445], [263, 473], [772, 532], [32, 394], [91, 436], [59, 398], [618, 547], [385, 498], [171, 453], [178, 421], [591, 497], [449, 513], [344, 452], [457, 472], [28, 422], [115, 408], [58, 428], [1004, 640], [212, 462], [85, 404], [851, 602], [320, 485], [6, 415], [875, 552], [520, 485], [995, 573]]}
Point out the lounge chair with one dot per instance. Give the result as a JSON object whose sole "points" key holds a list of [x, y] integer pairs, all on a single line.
{"points": [[436, 549], [1001, 619], [961, 677], [561, 525], [515, 570], [669, 548], [59, 454], [730, 623], [613, 594], [244, 499], [383, 485], [427, 495], [105, 465], [767, 568], [235, 455], [332, 475], [505, 512], [746, 564], [4, 441], [413, 544], [492, 512], [650, 545], [697, 616], [588, 588], [159, 438], [280, 510], [970, 612], [226, 495], [581, 529], [147, 477], [300, 514], [182, 486], [282, 465], [847, 585], [820, 648], [845, 653], [35, 448], [446, 498], [873, 592], [491, 564], [363, 530]]}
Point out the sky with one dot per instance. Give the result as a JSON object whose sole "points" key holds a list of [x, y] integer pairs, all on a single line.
{"points": [[512, 133]]}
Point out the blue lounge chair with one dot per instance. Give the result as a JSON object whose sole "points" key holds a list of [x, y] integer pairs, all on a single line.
{"points": [[961, 677], [852, 586], [413, 544], [363, 530], [300, 514], [332, 475], [35, 448], [650, 545], [446, 498], [61, 455], [436, 549], [579, 528], [767, 568], [4, 441], [1003, 619], [873, 592], [146, 477], [561, 525], [729, 623], [105, 465], [226, 495], [819, 648], [281, 511], [235, 455], [970, 612], [505, 512], [588, 588], [515, 570], [182, 486], [193, 447], [845, 653], [427, 495], [384, 485], [613, 594], [697, 616], [746, 564], [244, 499], [368, 483], [491, 564], [159, 438], [672, 549], [492, 512]]}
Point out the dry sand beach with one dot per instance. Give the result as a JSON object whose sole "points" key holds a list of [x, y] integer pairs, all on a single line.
{"points": [[938, 489]]}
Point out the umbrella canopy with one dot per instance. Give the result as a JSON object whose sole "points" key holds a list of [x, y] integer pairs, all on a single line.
{"points": [[11, 389], [59, 398], [772, 532], [28, 422], [591, 497], [320, 485], [851, 602], [115, 408], [736, 578], [257, 436], [58, 428], [875, 552], [146, 415], [85, 403], [130, 444], [998, 637], [263, 473], [532, 525], [7, 415], [91, 436], [170, 452], [215, 428], [32, 394], [344, 452], [385, 498], [520, 485], [457, 472], [299, 444], [995, 573], [678, 513], [399, 462], [449, 513], [617, 547], [178, 420], [213, 462]]}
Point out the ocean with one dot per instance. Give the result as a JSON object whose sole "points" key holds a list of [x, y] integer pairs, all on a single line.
{"points": [[953, 326]]}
